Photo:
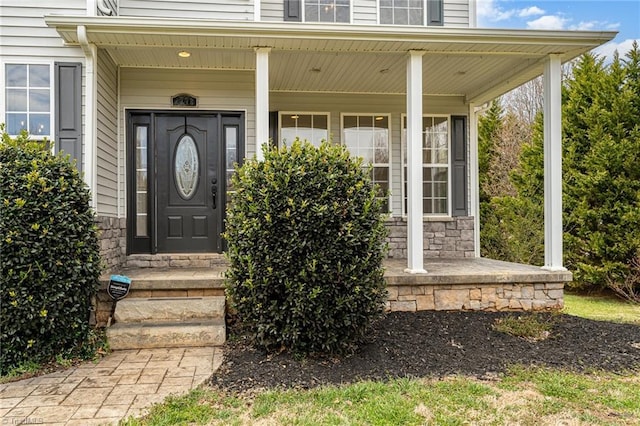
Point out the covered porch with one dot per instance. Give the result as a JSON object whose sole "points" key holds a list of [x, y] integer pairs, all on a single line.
{"points": [[452, 71]]}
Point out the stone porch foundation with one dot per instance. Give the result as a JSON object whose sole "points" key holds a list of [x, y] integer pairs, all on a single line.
{"points": [[474, 285], [481, 297]]}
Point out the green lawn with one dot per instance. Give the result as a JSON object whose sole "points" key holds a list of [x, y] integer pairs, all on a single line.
{"points": [[524, 396], [602, 308]]}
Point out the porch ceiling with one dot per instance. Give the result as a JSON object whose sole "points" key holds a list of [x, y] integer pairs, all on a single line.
{"points": [[477, 64]]}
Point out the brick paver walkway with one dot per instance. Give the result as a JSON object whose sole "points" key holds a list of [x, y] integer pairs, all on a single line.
{"points": [[122, 384]]}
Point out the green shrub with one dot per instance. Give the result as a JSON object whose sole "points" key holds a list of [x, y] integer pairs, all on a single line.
{"points": [[50, 255], [512, 230], [306, 240]]}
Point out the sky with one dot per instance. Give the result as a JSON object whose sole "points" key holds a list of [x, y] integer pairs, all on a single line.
{"points": [[591, 15]]}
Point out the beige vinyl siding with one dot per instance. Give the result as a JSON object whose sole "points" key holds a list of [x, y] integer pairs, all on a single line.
{"points": [[456, 13], [26, 39], [272, 10], [147, 88], [365, 12], [241, 10], [395, 105], [25, 34], [106, 133]]}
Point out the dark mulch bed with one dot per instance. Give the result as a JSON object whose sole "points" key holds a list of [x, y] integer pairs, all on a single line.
{"points": [[436, 344]]}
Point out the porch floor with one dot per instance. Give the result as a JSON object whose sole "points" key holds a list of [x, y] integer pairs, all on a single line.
{"points": [[439, 271], [470, 271]]}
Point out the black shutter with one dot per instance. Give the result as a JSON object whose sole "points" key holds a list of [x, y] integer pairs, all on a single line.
{"points": [[273, 127], [435, 12], [293, 10], [68, 110], [459, 165]]}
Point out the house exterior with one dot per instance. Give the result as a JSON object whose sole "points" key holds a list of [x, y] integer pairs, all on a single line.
{"points": [[157, 99]]}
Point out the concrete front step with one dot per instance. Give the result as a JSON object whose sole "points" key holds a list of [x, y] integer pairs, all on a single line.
{"points": [[169, 309], [166, 335]]}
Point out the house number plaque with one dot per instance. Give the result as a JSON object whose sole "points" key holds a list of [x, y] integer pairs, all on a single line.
{"points": [[184, 100]]}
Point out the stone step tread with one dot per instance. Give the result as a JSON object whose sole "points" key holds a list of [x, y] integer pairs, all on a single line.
{"points": [[167, 309], [171, 278], [167, 335]]}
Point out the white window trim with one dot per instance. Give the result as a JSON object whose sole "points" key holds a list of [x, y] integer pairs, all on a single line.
{"points": [[3, 97], [446, 216], [281, 113], [424, 16], [388, 115], [304, 16]]}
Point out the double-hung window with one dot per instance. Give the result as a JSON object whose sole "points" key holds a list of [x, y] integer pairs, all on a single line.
{"points": [[435, 165], [368, 136], [28, 99], [402, 12], [411, 12], [327, 11], [313, 127], [317, 10]]}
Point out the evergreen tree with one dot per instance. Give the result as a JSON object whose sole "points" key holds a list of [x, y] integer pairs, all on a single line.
{"points": [[489, 126], [601, 165], [602, 169]]}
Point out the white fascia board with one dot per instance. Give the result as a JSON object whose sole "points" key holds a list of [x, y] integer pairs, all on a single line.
{"points": [[354, 32]]}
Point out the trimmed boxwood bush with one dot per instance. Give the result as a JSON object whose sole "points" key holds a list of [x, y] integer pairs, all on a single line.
{"points": [[49, 255], [306, 239]]}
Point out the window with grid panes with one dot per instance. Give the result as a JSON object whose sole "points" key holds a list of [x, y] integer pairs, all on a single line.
{"points": [[367, 136], [28, 99], [402, 12], [327, 11], [435, 165], [306, 126]]}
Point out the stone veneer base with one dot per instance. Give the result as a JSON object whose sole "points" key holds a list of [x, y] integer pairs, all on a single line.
{"points": [[475, 297]]}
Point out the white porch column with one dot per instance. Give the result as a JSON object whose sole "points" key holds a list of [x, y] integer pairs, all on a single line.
{"points": [[415, 228], [90, 112], [553, 164], [474, 183], [262, 99]]}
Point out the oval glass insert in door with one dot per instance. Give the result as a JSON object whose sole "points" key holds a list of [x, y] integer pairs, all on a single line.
{"points": [[186, 167]]}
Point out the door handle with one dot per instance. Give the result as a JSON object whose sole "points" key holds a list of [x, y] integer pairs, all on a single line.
{"points": [[214, 191]]}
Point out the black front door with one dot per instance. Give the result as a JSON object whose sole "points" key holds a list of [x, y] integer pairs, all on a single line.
{"points": [[179, 164], [188, 163]]}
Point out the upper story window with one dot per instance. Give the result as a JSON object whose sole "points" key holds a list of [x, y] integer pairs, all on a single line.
{"points": [[326, 11], [317, 10], [368, 136], [402, 12], [313, 127], [411, 12], [28, 99]]}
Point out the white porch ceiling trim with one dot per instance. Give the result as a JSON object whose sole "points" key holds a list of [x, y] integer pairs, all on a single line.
{"points": [[476, 64], [306, 31]]}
